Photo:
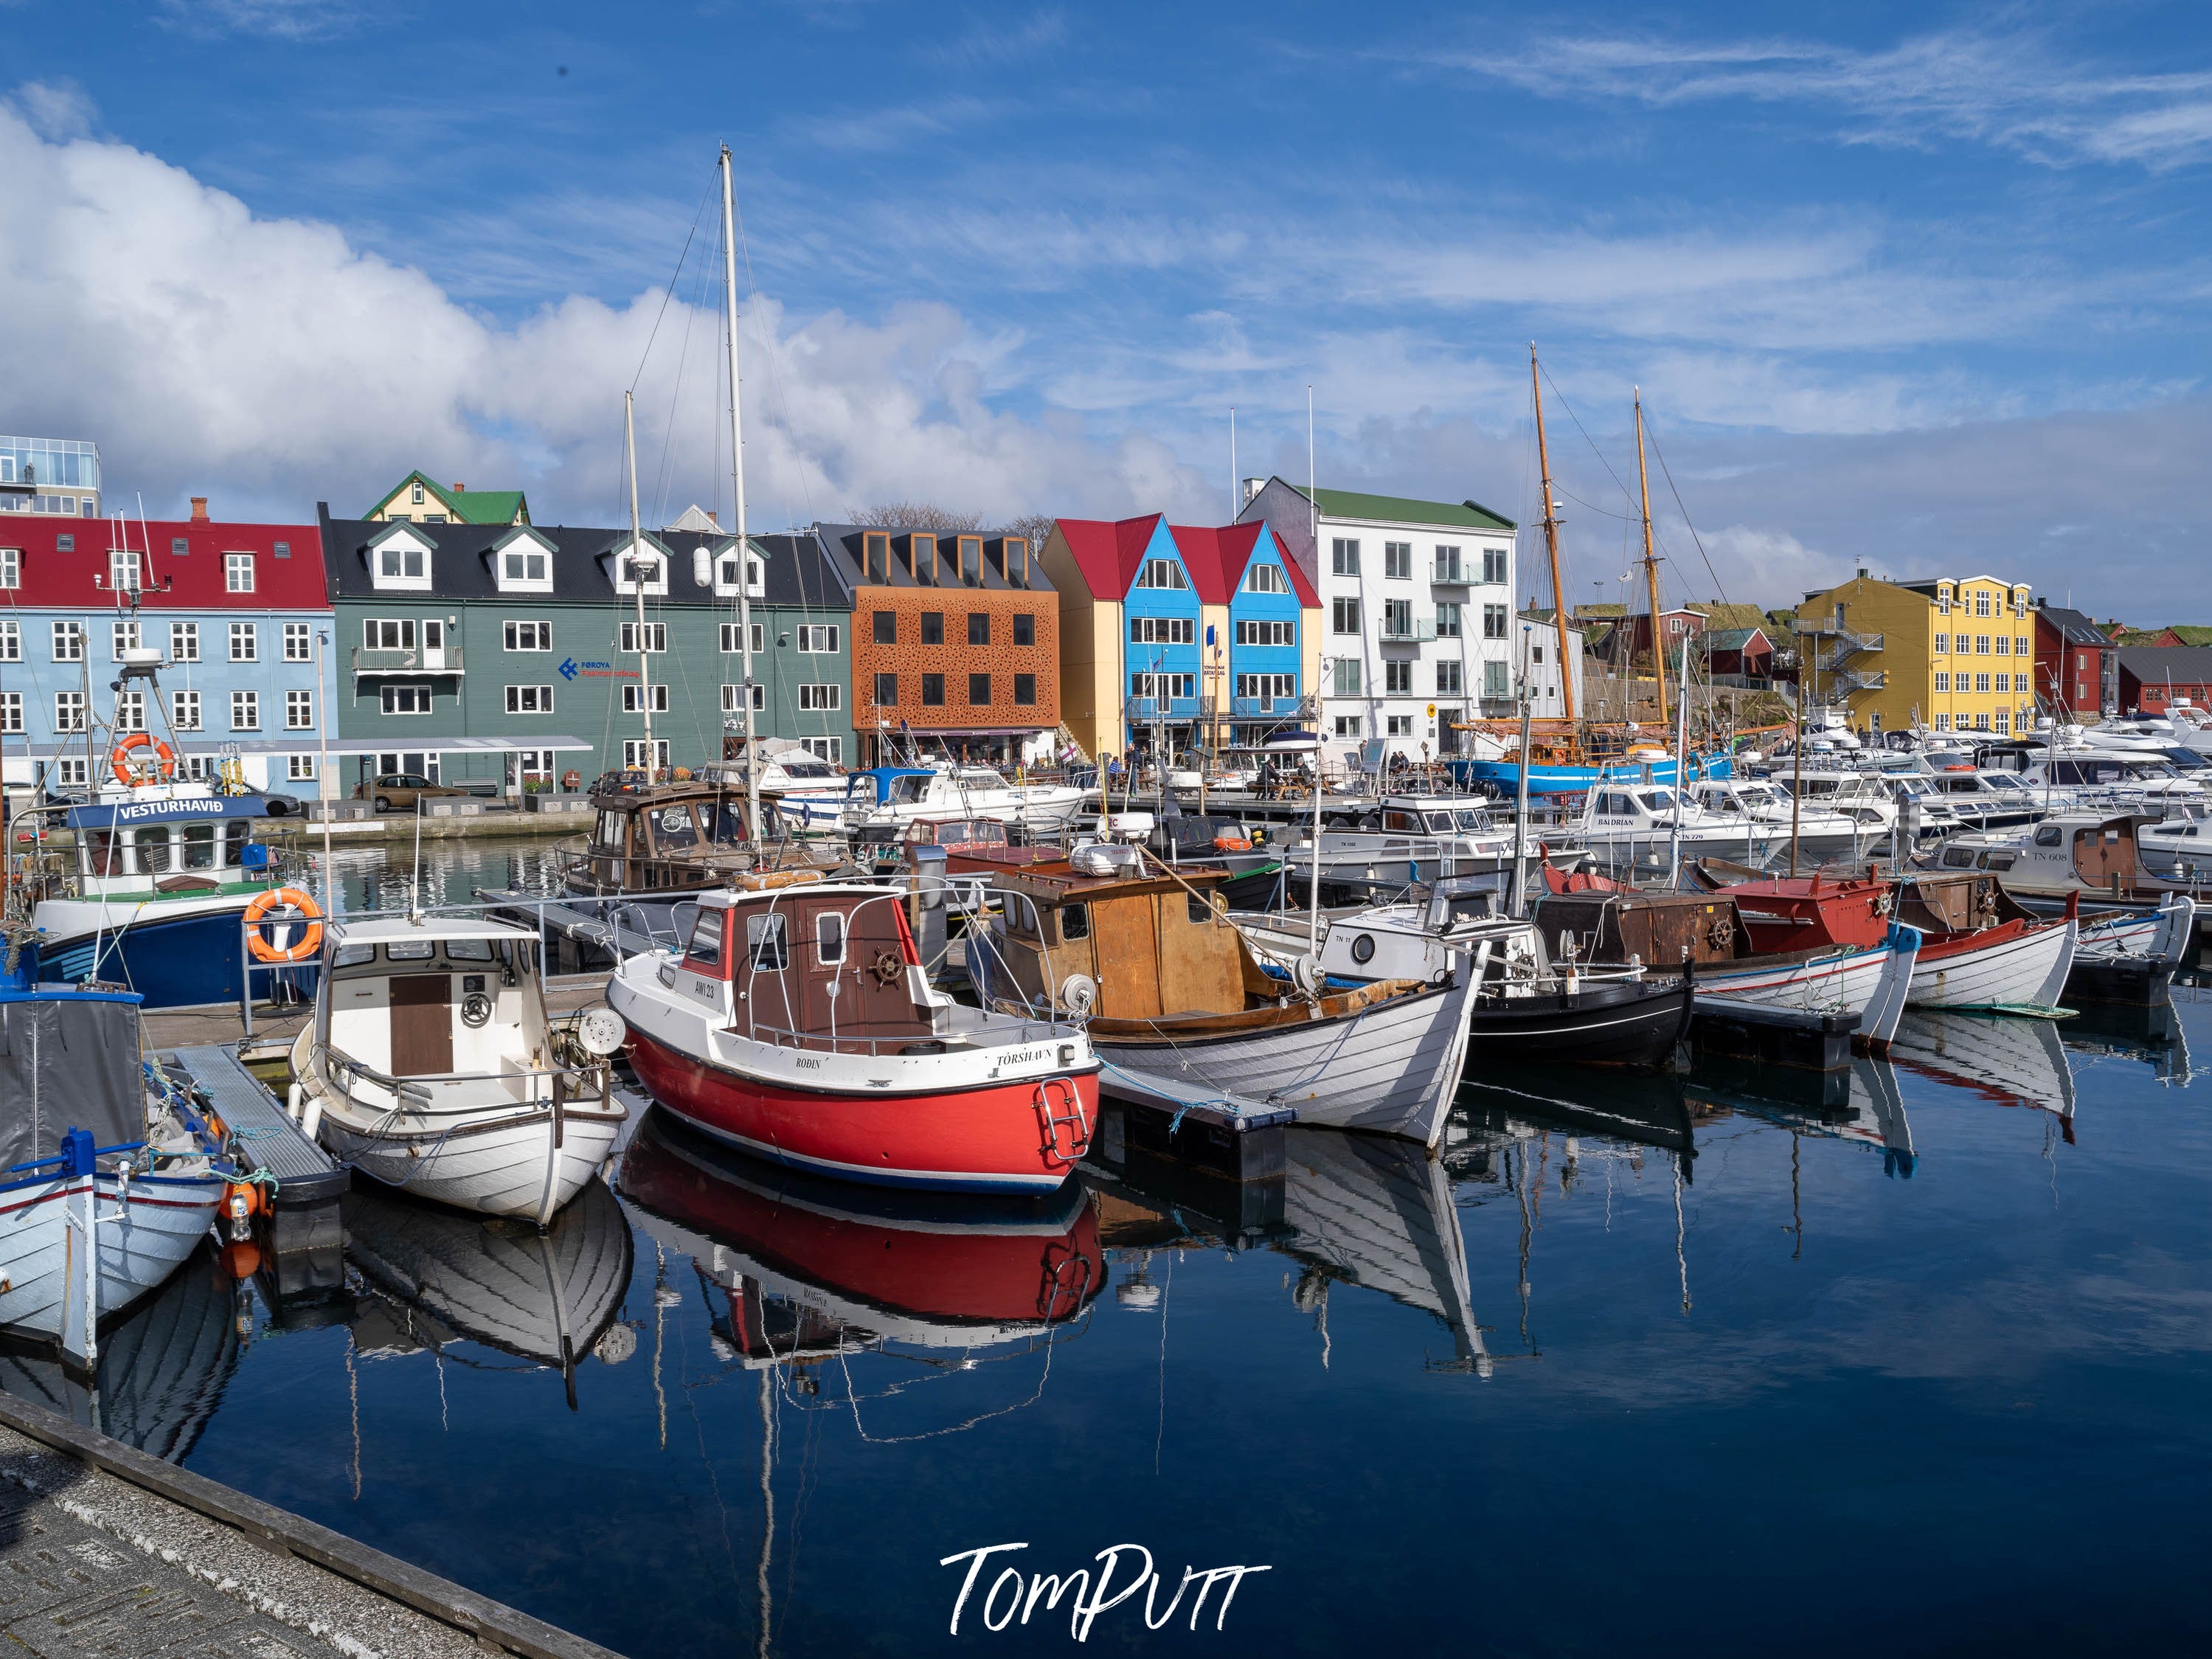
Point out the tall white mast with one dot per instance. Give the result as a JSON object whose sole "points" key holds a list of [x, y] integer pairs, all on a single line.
{"points": [[636, 573], [738, 485]]}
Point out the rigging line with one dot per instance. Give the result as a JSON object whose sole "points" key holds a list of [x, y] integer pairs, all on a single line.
{"points": [[1677, 494], [1587, 438], [689, 237], [675, 395], [775, 369], [1593, 505]]}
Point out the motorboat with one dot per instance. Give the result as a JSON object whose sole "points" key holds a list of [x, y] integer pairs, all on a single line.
{"points": [[798, 1024], [1820, 833], [1172, 989], [1649, 824], [111, 1175], [432, 1066], [1564, 772], [898, 794], [1402, 840], [2077, 850], [1866, 796]]}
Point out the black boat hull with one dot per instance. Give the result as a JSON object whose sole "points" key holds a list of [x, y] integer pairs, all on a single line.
{"points": [[1629, 1023]]}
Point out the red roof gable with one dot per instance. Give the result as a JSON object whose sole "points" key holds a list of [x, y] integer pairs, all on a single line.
{"points": [[1217, 560], [1107, 554], [196, 580]]}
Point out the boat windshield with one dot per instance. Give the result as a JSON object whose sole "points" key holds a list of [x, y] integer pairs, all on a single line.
{"points": [[980, 777], [1472, 817], [1438, 821], [1658, 800], [2003, 781]]}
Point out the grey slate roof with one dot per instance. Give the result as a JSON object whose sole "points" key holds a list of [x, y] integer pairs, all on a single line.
{"points": [[842, 545], [2074, 627], [2189, 664]]}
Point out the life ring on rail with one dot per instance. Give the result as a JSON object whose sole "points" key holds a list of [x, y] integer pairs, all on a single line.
{"points": [[290, 897], [165, 758], [1232, 843]]}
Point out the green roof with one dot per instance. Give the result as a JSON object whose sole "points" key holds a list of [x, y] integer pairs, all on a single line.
{"points": [[466, 506], [1403, 509]]}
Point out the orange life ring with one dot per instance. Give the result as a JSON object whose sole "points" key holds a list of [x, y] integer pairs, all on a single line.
{"points": [[1958, 768], [165, 761], [309, 942], [1232, 843]]}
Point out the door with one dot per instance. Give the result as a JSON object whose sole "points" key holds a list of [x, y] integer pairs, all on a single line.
{"points": [[422, 1025], [1125, 945], [433, 644]]}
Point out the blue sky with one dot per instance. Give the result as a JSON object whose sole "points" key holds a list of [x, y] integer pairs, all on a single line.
{"points": [[1917, 288]]}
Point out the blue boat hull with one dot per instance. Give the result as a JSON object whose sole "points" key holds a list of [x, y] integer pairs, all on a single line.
{"points": [[1504, 776], [173, 963]]}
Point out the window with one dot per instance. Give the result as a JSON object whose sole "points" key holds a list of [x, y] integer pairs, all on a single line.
{"points": [[1268, 688], [1494, 683], [1399, 726], [1981, 645], [298, 711], [733, 699], [296, 646], [638, 566], [1447, 621], [527, 635], [1161, 573], [245, 642], [69, 641], [1162, 630], [634, 755], [1163, 685], [1267, 578], [1942, 645], [123, 569], [1448, 679], [933, 628], [1398, 561], [406, 699], [1494, 561], [1536, 654], [11, 711], [1398, 678], [11, 567], [1981, 722], [1942, 681], [2004, 682], [1347, 676], [886, 628], [979, 628], [1982, 602], [69, 711], [2004, 645], [979, 690], [238, 572], [733, 637], [1347, 726], [1024, 628], [1025, 690], [817, 639], [401, 565], [299, 768], [1943, 600], [830, 938], [1494, 621], [1982, 683], [123, 631], [886, 690], [2004, 720], [2020, 645], [11, 640], [1344, 558], [636, 697], [876, 546], [415, 495], [933, 690], [131, 711], [246, 711], [821, 699], [529, 699], [184, 710], [1344, 616], [524, 567], [1074, 922], [387, 633], [828, 748], [655, 636], [1397, 619], [1266, 633], [1449, 568]]}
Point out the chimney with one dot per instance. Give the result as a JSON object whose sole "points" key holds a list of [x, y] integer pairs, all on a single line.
{"points": [[199, 509], [460, 489], [1252, 487]]}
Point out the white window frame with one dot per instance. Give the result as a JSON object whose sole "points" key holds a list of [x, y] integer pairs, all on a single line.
{"points": [[529, 699], [1398, 677], [247, 633], [1450, 681], [634, 755], [656, 639], [394, 700], [1344, 556], [238, 572], [298, 711], [124, 573], [633, 703], [390, 556], [733, 698], [123, 635], [517, 635], [402, 628], [11, 640], [1265, 577], [299, 642], [827, 697], [249, 704], [299, 768], [184, 710], [69, 711], [1397, 561], [732, 637], [69, 641], [641, 550], [523, 545], [11, 711], [1162, 575], [817, 639], [11, 567]]}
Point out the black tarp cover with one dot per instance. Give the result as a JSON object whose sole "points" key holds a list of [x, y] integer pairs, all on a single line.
{"points": [[68, 1062]]}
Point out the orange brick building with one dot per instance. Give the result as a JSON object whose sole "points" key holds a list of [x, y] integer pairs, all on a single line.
{"points": [[956, 640]]}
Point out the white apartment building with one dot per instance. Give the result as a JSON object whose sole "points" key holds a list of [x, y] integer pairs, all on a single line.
{"points": [[1417, 626], [1536, 658]]}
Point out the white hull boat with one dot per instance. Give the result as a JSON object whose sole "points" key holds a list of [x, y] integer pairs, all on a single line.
{"points": [[1872, 981], [2024, 969]]}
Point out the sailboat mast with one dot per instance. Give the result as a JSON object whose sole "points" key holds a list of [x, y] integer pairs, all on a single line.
{"points": [[637, 584], [737, 485], [1551, 546], [1650, 566]]}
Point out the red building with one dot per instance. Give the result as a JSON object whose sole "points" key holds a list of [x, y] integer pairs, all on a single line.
{"points": [[2152, 679], [2072, 657]]}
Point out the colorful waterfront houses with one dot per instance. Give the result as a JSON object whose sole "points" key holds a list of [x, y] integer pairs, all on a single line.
{"points": [[237, 612], [419, 499], [1416, 597], [1953, 653], [956, 643], [1177, 635], [513, 654], [2074, 664]]}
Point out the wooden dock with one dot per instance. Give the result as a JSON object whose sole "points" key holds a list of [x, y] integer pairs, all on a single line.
{"points": [[104, 1550]]}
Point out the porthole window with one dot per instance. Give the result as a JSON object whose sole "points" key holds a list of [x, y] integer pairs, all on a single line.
{"points": [[1363, 949]]}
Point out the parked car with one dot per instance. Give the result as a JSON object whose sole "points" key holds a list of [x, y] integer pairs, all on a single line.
{"points": [[402, 792]]}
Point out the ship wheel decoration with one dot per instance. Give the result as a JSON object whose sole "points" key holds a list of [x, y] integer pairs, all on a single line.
{"points": [[887, 968], [1881, 903], [1722, 932]]}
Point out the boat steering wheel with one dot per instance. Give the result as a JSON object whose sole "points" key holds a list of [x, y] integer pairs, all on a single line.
{"points": [[476, 1011], [887, 968]]}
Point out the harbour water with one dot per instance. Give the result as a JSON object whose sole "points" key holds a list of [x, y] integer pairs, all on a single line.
{"points": [[1673, 1363]]}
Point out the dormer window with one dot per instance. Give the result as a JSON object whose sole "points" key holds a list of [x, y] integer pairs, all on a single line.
{"points": [[726, 573], [1161, 573], [875, 551], [123, 569], [971, 559], [641, 564], [414, 497], [921, 558], [1943, 599], [399, 559], [1269, 578], [522, 562]]}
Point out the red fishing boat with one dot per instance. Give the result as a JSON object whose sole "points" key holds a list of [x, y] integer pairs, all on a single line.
{"points": [[798, 1024]]}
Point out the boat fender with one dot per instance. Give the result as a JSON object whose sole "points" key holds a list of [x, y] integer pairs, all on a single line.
{"points": [[292, 1098], [313, 1120]]}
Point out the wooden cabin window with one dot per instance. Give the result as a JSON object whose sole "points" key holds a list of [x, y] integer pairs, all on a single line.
{"points": [[830, 938], [1075, 921], [672, 829], [705, 950], [1197, 908], [767, 943]]}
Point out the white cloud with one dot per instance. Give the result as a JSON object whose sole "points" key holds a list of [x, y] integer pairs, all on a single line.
{"points": [[285, 20], [269, 362]]}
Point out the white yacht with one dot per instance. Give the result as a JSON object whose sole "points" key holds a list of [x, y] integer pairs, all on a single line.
{"points": [[1406, 839], [1821, 833], [888, 796], [1865, 796], [1646, 823]]}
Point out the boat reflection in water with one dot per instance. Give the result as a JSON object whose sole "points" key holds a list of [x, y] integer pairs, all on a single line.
{"points": [[803, 1270], [442, 1276], [2153, 1034], [1863, 1104], [1999, 1057], [162, 1366]]}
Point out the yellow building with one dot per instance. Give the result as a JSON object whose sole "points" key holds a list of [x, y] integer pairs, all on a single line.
{"points": [[1952, 653]]}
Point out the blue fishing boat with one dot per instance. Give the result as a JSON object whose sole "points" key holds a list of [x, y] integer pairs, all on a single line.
{"points": [[1502, 777]]}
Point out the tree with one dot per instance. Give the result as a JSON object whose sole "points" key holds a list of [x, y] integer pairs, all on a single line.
{"points": [[1036, 526], [915, 515]]}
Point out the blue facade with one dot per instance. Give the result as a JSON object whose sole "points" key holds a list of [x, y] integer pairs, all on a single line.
{"points": [[1264, 656], [1161, 635]]}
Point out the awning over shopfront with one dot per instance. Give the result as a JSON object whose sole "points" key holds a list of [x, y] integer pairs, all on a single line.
{"points": [[304, 743]]}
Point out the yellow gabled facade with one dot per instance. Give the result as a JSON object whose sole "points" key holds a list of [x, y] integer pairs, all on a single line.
{"points": [[1954, 654]]}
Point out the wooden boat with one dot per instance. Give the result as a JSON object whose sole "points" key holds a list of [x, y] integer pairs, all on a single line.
{"points": [[1172, 988], [798, 1024], [431, 1066]]}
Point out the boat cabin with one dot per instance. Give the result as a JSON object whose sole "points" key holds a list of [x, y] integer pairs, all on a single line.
{"points": [[1150, 946], [445, 1004], [1659, 929], [670, 837], [2094, 852], [179, 844]]}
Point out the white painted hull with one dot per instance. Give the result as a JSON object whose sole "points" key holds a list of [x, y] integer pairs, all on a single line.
{"points": [[2029, 971], [1872, 983], [143, 1241], [1393, 1068], [506, 1165], [2159, 938]]}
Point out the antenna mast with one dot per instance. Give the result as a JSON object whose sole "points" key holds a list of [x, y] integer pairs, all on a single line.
{"points": [[737, 485], [1552, 544], [1650, 565], [637, 586]]}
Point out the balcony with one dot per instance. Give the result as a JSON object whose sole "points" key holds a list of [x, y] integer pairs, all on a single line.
{"points": [[1417, 631], [371, 660], [1283, 708], [1175, 710], [1453, 575], [1845, 682]]}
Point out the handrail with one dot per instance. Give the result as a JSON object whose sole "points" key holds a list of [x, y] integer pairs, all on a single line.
{"points": [[416, 1089]]}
